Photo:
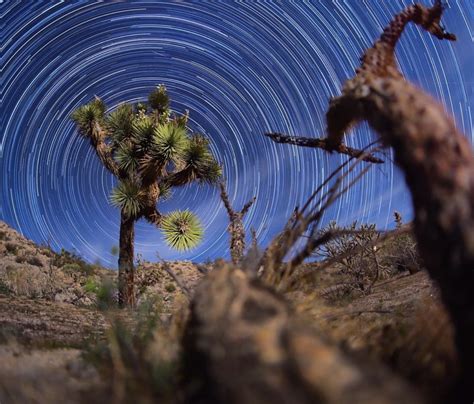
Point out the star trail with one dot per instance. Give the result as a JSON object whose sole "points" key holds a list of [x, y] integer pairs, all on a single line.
{"points": [[241, 69]]}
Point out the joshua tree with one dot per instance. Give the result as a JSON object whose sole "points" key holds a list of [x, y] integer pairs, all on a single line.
{"points": [[236, 225], [149, 151]]}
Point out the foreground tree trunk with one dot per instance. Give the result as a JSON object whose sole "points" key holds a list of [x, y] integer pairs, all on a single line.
{"points": [[126, 297], [438, 164], [242, 344]]}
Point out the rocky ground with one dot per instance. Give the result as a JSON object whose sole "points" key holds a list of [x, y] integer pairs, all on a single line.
{"points": [[57, 344]]}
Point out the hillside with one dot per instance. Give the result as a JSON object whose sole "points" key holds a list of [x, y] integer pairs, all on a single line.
{"points": [[57, 337]]}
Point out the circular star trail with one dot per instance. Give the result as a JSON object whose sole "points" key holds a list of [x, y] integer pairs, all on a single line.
{"points": [[241, 69]]}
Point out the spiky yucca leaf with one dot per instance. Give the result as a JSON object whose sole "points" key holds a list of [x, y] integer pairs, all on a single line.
{"points": [[182, 230], [143, 128], [120, 123], [169, 142], [198, 156], [127, 197], [158, 99], [127, 159], [87, 114]]}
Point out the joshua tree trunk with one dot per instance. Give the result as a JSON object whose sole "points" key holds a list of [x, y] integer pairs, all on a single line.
{"points": [[126, 271]]}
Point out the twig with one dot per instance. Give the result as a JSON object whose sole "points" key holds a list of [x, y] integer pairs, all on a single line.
{"points": [[176, 278]]}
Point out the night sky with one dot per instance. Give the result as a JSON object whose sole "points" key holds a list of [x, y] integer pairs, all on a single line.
{"points": [[242, 69]]}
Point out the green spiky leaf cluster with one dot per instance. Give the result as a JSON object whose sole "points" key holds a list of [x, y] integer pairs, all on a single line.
{"points": [[198, 156], [87, 114], [182, 230], [120, 123], [127, 159], [169, 143], [127, 197]]}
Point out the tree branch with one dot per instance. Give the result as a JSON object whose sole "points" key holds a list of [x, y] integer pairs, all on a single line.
{"points": [[323, 144], [104, 151], [225, 200], [247, 206]]}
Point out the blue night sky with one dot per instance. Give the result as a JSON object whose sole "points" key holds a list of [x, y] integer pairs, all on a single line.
{"points": [[242, 69]]}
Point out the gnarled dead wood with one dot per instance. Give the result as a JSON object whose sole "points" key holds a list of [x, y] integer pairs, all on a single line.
{"points": [[236, 226], [438, 164], [243, 345]]}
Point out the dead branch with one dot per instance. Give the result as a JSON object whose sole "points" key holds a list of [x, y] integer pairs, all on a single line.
{"points": [[438, 164], [323, 144], [236, 226], [176, 278]]}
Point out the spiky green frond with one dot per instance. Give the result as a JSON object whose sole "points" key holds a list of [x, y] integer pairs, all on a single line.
{"points": [[87, 114], [182, 230], [143, 129], [127, 197], [169, 142], [120, 123], [210, 173], [158, 99], [198, 156], [126, 159]]}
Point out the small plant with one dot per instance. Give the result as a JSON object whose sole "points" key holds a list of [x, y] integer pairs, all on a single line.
{"points": [[4, 288], [170, 287], [72, 263], [34, 260], [92, 286], [12, 248], [138, 357]]}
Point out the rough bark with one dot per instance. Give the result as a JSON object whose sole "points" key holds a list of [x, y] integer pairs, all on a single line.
{"points": [[236, 225], [317, 143], [243, 345], [439, 167], [126, 296]]}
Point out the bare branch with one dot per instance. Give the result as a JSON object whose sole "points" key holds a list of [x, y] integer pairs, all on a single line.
{"points": [[225, 199], [247, 206], [322, 144]]}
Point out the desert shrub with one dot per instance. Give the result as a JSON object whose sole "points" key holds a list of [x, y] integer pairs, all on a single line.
{"points": [[106, 294], [70, 261], [12, 248], [355, 256], [401, 254], [92, 286], [20, 259], [138, 357], [71, 268], [4, 289], [170, 287], [33, 260], [3, 235], [27, 281]]}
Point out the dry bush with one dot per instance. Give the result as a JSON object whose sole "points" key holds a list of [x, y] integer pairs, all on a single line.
{"points": [[140, 356], [12, 248], [27, 281], [72, 262], [361, 255]]}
